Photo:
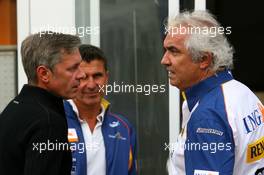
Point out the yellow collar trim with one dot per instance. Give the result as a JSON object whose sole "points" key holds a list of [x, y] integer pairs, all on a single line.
{"points": [[184, 95], [105, 103]]}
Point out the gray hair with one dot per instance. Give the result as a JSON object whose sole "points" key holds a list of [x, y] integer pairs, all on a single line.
{"points": [[202, 39], [45, 48]]}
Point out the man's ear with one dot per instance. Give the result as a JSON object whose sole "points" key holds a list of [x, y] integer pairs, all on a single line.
{"points": [[43, 74], [206, 61]]}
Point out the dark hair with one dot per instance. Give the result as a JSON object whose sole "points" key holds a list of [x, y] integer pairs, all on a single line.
{"points": [[90, 53]]}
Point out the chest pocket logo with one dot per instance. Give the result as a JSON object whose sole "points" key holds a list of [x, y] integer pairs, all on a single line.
{"points": [[114, 124], [72, 135]]}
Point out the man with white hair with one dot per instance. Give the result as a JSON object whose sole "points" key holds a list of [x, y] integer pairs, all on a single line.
{"points": [[223, 121]]}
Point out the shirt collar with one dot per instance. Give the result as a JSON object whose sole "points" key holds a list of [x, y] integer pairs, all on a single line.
{"points": [[99, 117], [196, 92]]}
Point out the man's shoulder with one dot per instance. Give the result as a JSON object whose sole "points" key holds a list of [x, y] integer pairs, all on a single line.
{"points": [[232, 100], [27, 111], [228, 95], [236, 90], [239, 98], [24, 118], [23, 107]]}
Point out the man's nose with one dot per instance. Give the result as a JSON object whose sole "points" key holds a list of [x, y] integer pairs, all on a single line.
{"points": [[165, 60], [80, 74], [90, 83]]}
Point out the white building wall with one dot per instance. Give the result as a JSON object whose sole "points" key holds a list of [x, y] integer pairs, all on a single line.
{"points": [[36, 15]]}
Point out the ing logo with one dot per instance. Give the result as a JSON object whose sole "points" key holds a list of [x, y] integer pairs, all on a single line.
{"points": [[255, 119]]}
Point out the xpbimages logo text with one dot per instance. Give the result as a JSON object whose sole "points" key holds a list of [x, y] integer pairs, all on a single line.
{"points": [[60, 146], [211, 147], [210, 31], [81, 31], [145, 89]]}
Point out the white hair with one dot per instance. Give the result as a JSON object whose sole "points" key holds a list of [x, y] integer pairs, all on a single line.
{"points": [[204, 37]]}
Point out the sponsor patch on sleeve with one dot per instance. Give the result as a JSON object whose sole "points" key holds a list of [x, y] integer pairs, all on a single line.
{"points": [[205, 172], [255, 150]]}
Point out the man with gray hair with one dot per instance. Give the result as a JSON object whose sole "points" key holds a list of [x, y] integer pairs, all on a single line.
{"points": [[223, 121], [33, 127]]}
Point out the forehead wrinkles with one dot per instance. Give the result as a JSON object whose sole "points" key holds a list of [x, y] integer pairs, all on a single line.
{"points": [[94, 67], [177, 41]]}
